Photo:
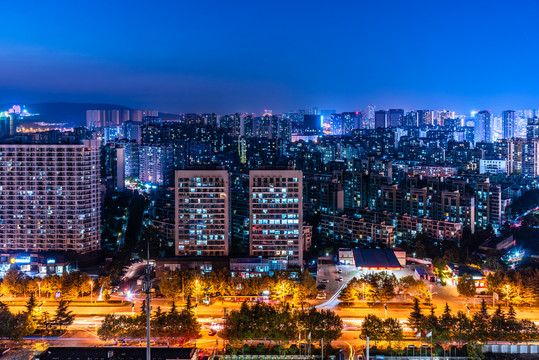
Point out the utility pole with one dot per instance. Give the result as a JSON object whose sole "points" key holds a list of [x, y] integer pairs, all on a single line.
{"points": [[148, 357]]}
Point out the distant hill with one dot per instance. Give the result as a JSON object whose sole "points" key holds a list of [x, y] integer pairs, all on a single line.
{"points": [[73, 114]]}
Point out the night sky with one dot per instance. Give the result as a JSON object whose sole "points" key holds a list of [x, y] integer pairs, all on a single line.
{"points": [[225, 56]]}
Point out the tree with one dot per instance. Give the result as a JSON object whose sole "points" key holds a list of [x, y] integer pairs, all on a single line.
{"points": [[380, 287], [462, 328], [45, 322], [415, 288], [63, 317], [104, 283], [306, 287], [430, 323], [13, 282], [50, 284], [415, 319], [392, 330], [446, 323], [31, 304], [30, 323], [372, 327], [466, 286], [498, 324], [483, 309], [171, 285], [493, 263], [111, 328], [349, 294]]}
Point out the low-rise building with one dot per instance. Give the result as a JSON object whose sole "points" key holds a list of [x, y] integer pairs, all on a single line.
{"points": [[255, 267], [375, 259], [455, 271], [492, 166]]}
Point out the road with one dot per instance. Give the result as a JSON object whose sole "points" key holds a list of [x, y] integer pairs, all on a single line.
{"points": [[90, 315]]}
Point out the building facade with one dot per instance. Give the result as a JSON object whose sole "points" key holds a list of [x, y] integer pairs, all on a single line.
{"points": [[50, 197], [276, 214], [202, 206]]}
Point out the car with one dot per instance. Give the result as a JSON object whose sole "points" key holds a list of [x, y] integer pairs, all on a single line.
{"points": [[321, 295], [324, 281], [340, 278], [321, 287], [339, 271], [212, 332]]}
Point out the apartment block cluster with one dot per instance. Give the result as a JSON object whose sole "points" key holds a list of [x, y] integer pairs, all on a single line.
{"points": [[373, 178], [275, 220]]}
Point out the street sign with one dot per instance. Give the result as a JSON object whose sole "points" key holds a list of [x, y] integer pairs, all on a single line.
{"points": [[58, 294]]}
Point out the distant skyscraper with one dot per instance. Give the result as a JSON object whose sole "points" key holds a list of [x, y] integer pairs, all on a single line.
{"points": [[276, 214], [380, 119], [483, 126], [312, 124], [155, 164], [411, 119], [425, 117], [51, 197], [335, 124], [369, 117], [395, 117], [443, 115], [532, 129], [508, 124], [114, 165], [352, 121], [202, 209], [7, 124]]}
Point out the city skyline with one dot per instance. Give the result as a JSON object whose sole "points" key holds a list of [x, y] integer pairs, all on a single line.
{"points": [[244, 57]]}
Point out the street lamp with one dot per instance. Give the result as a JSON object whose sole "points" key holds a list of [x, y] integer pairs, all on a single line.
{"points": [[507, 288], [196, 292], [91, 291], [39, 288]]}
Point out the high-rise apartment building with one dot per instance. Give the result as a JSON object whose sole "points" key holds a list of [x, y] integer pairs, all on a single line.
{"points": [[508, 124], [425, 117], [380, 119], [155, 164], [395, 117], [443, 115], [202, 207], [532, 129], [50, 197], [312, 124], [276, 214], [483, 127]]}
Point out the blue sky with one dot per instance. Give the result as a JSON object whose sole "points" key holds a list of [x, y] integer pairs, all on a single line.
{"points": [[224, 56]]}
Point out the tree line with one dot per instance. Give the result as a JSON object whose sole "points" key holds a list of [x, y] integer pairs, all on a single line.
{"points": [[280, 324], [515, 287], [71, 285], [450, 329], [177, 284], [33, 320], [382, 287], [173, 326]]}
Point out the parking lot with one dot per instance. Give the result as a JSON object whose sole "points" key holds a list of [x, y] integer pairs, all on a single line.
{"points": [[328, 275]]}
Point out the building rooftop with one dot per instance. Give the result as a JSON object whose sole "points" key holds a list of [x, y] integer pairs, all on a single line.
{"points": [[116, 353], [376, 259]]}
